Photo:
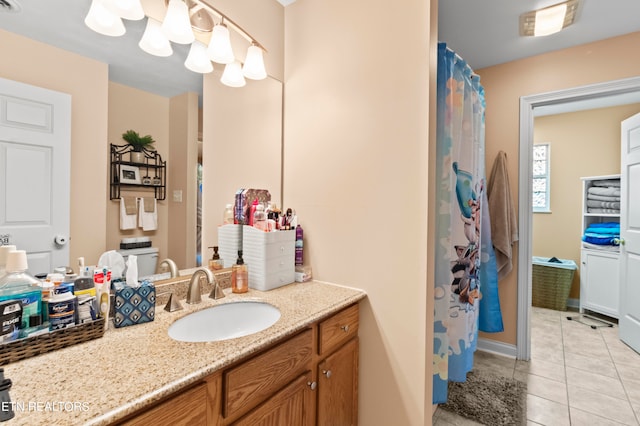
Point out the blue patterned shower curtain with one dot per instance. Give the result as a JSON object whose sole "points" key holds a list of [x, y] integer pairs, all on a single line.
{"points": [[460, 195]]}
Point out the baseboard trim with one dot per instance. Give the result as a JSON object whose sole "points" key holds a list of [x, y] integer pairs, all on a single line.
{"points": [[498, 348], [573, 304]]}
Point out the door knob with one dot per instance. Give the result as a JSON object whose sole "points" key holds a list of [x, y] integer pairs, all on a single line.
{"points": [[312, 385], [60, 240], [327, 373], [345, 328]]}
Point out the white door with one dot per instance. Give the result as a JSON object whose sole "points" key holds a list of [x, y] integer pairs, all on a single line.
{"points": [[35, 143], [629, 321]]}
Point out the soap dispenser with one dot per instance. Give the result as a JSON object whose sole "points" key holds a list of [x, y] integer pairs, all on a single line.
{"points": [[215, 263], [239, 276]]}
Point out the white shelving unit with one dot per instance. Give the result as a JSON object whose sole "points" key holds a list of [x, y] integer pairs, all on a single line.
{"points": [[599, 268]]}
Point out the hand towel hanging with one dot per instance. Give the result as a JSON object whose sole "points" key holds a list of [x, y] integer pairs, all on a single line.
{"points": [[148, 214], [127, 213]]}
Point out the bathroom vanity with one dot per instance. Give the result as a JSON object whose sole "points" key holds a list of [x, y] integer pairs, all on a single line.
{"points": [[301, 370]]}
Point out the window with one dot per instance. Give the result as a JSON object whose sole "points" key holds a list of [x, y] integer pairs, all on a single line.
{"points": [[541, 181]]}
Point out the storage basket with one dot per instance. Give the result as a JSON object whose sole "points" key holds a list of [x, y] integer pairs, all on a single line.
{"points": [[552, 282], [17, 350]]}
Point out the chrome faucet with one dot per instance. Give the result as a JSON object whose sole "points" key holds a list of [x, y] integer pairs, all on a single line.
{"points": [[193, 292], [173, 268]]}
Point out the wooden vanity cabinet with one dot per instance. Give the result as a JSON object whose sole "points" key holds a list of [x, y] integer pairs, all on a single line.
{"points": [[308, 379], [337, 369]]}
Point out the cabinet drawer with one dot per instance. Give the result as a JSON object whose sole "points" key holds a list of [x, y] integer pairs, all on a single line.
{"points": [[338, 329], [187, 408], [261, 376]]}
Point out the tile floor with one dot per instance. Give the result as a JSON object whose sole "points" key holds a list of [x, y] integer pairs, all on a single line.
{"points": [[577, 375]]}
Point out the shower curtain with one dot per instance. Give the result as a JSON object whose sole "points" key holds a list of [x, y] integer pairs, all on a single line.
{"points": [[460, 198]]}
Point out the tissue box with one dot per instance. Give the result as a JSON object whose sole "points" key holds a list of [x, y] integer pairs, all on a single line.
{"points": [[134, 305], [270, 257]]}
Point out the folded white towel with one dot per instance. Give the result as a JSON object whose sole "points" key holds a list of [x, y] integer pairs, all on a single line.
{"points": [[148, 221], [127, 221]]}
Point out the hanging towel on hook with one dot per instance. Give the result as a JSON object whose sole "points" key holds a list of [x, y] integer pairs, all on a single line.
{"points": [[127, 213], [504, 228], [148, 214]]}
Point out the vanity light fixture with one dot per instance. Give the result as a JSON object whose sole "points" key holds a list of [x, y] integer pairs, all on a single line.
{"points": [[186, 22], [548, 20], [232, 75]]}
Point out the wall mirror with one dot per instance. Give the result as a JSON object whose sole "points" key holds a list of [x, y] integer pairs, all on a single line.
{"points": [[240, 128]]}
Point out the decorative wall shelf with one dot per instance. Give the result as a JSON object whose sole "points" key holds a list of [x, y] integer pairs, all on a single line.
{"points": [[148, 173]]}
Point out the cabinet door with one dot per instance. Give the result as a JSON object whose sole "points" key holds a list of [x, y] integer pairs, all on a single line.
{"points": [[338, 387], [600, 284], [189, 408], [290, 406]]}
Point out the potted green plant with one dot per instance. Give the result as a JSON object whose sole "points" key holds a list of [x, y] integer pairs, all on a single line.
{"points": [[138, 143]]}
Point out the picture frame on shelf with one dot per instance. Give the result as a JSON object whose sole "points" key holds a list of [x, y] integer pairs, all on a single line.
{"points": [[129, 174]]}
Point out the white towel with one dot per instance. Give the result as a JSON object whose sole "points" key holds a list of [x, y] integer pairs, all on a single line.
{"points": [[127, 221], [148, 221]]}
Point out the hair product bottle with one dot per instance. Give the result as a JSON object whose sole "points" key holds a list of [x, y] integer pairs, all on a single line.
{"points": [[299, 246], [239, 276]]}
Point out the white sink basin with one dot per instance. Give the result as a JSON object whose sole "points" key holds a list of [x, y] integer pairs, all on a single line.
{"points": [[226, 321]]}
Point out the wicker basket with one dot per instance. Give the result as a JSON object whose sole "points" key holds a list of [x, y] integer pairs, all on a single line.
{"points": [[17, 350], [551, 283]]}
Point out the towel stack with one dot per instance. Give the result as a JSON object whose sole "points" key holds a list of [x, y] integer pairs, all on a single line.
{"points": [[604, 197], [602, 234]]}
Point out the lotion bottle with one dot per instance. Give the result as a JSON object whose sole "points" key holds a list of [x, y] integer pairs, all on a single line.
{"points": [[239, 276]]}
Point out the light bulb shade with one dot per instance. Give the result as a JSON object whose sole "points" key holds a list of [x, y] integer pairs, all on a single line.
{"points": [[220, 45], [254, 64], [232, 75], [103, 20], [128, 9], [550, 20], [198, 59], [176, 24], [154, 41]]}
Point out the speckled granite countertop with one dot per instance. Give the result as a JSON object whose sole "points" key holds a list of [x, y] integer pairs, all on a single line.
{"points": [[103, 380]]}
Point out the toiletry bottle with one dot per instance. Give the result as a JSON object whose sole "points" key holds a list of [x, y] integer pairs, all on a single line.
{"points": [[239, 276], [260, 218], [19, 285], [227, 217], [299, 246], [3, 258], [215, 263], [252, 212]]}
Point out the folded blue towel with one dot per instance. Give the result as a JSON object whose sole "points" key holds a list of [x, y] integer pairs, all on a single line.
{"points": [[603, 240], [603, 231], [605, 225]]}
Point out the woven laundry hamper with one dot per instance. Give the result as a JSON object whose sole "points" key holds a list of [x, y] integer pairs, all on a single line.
{"points": [[551, 282]]}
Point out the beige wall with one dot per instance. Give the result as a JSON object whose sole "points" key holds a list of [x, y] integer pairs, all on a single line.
{"points": [[86, 80], [355, 169], [183, 177], [584, 143], [147, 114], [504, 85]]}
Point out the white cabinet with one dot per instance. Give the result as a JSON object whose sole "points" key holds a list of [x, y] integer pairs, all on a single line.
{"points": [[599, 282], [599, 264]]}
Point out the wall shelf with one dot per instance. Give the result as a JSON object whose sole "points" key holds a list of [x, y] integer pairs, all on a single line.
{"points": [[151, 172]]}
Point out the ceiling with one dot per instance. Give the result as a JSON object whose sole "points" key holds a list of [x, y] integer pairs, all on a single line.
{"points": [[483, 32]]}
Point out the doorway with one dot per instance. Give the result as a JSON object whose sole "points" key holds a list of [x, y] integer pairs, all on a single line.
{"points": [[612, 93]]}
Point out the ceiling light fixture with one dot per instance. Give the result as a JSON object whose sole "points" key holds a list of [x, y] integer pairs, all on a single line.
{"points": [[186, 22], [549, 20]]}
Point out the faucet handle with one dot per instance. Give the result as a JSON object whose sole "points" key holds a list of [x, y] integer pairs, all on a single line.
{"points": [[216, 292], [172, 304]]}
